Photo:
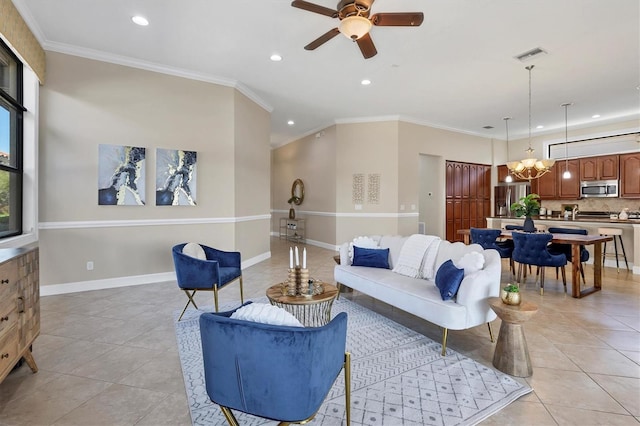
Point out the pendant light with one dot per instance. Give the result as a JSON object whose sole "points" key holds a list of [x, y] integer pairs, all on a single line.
{"points": [[530, 167], [508, 179], [567, 173]]}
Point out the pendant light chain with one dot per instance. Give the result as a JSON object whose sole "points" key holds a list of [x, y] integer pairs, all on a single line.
{"points": [[567, 173], [530, 68]]}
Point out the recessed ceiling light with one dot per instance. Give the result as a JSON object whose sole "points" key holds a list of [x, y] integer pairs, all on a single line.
{"points": [[276, 58], [595, 116], [140, 20], [291, 122], [540, 126], [365, 82]]}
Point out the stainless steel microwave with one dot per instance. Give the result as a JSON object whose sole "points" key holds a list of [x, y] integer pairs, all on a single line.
{"points": [[599, 188]]}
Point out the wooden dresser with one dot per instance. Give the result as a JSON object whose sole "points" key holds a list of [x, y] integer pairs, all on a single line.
{"points": [[19, 306]]}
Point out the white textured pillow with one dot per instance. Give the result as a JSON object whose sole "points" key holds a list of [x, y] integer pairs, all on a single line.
{"points": [[194, 250], [362, 242], [470, 262], [266, 314]]}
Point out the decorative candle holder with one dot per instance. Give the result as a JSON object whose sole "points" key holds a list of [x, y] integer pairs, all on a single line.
{"points": [[303, 282], [292, 280]]}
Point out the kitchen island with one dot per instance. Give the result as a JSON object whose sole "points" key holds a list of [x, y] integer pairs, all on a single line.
{"points": [[630, 233]]}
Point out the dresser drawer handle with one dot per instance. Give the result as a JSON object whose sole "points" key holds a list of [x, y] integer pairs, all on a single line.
{"points": [[5, 281], [4, 356], [5, 318]]}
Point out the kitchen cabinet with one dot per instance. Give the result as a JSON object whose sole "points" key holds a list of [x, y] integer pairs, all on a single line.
{"points": [[604, 167], [568, 189], [19, 307], [468, 197], [546, 186], [503, 171], [630, 175], [552, 186]]}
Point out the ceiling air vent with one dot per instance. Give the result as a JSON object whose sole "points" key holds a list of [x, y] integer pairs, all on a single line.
{"points": [[527, 56], [487, 127]]}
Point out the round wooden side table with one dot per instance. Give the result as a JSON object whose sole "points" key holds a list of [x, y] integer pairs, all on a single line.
{"points": [[311, 311], [512, 355]]}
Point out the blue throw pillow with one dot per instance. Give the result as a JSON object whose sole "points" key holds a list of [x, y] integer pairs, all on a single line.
{"points": [[448, 279], [373, 258]]}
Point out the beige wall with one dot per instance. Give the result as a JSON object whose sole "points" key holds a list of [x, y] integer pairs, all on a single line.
{"points": [[390, 148], [312, 159], [252, 127], [86, 103]]}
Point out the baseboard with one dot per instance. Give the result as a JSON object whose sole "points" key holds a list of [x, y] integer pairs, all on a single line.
{"points": [[66, 288]]}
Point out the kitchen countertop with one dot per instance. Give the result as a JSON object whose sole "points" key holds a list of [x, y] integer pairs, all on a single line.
{"points": [[577, 219]]}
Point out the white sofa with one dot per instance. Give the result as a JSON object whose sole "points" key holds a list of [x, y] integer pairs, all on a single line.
{"points": [[421, 297]]}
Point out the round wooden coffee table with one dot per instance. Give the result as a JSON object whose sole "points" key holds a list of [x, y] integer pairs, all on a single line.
{"points": [[512, 355], [311, 311]]}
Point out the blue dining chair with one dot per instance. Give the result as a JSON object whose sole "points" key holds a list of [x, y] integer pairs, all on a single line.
{"points": [[210, 271], [487, 238], [277, 372], [557, 248], [531, 249]]}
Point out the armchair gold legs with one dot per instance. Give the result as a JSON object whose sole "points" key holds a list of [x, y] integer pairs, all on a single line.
{"points": [[190, 301]]}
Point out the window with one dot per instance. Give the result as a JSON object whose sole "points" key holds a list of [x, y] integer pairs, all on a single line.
{"points": [[11, 114]]}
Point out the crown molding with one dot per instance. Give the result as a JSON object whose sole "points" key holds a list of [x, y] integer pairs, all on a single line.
{"points": [[127, 61]]}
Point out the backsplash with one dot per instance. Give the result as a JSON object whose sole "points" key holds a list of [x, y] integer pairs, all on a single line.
{"points": [[613, 205]]}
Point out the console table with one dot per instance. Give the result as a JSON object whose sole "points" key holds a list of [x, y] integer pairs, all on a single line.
{"points": [[293, 229]]}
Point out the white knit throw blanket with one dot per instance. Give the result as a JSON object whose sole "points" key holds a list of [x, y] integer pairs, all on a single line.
{"points": [[417, 249]]}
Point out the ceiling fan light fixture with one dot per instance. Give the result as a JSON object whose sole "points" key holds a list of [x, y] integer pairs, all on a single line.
{"points": [[354, 27]]}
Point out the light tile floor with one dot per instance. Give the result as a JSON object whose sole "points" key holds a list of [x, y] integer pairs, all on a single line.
{"points": [[109, 357]]}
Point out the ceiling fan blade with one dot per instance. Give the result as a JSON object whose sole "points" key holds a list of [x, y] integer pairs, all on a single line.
{"points": [[366, 46], [322, 39], [409, 19], [311, 7]]}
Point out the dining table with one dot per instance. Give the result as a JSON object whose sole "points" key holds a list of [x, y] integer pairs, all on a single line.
{"points": [[575, 240]]}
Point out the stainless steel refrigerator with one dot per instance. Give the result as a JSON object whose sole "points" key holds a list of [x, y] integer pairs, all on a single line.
{"points": [[506, 194]]}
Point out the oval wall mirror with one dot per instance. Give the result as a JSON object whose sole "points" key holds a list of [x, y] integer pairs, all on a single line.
{"points": [[297, 192]]}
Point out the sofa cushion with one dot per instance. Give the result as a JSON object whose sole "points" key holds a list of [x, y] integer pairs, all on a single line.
{"points": [[194, 250], [363, 242], [448, 279], [471, 262], [266, 314], [373, 258], [394, 243]]}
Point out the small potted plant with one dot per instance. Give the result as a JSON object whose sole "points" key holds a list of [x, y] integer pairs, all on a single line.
{"points": [[510, 294], [527, 206]]}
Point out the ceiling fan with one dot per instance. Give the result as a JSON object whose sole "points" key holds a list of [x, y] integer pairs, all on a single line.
{"points": [[355, 22]]}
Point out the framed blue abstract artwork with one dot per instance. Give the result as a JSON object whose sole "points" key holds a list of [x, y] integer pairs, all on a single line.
{"points": [[121, 175], [176, 177]]}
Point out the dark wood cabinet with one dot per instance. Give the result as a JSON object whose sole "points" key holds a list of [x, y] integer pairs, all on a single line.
{"points": [[468, 197], [568, 189], [605, 167], [630, 175], [546, 186], [553, 186], [503, 171]]}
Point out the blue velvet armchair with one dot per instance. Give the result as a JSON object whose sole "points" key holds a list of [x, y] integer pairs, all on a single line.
{"points": [[531, 249], [556, 248], [216, 271], [276, 372], [487, 239]]}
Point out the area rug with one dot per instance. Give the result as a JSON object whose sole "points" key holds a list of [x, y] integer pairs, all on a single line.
{"points": [[398, 378]]}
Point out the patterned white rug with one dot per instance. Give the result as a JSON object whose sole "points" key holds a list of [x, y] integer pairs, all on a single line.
{"points": [[398, 378]]}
